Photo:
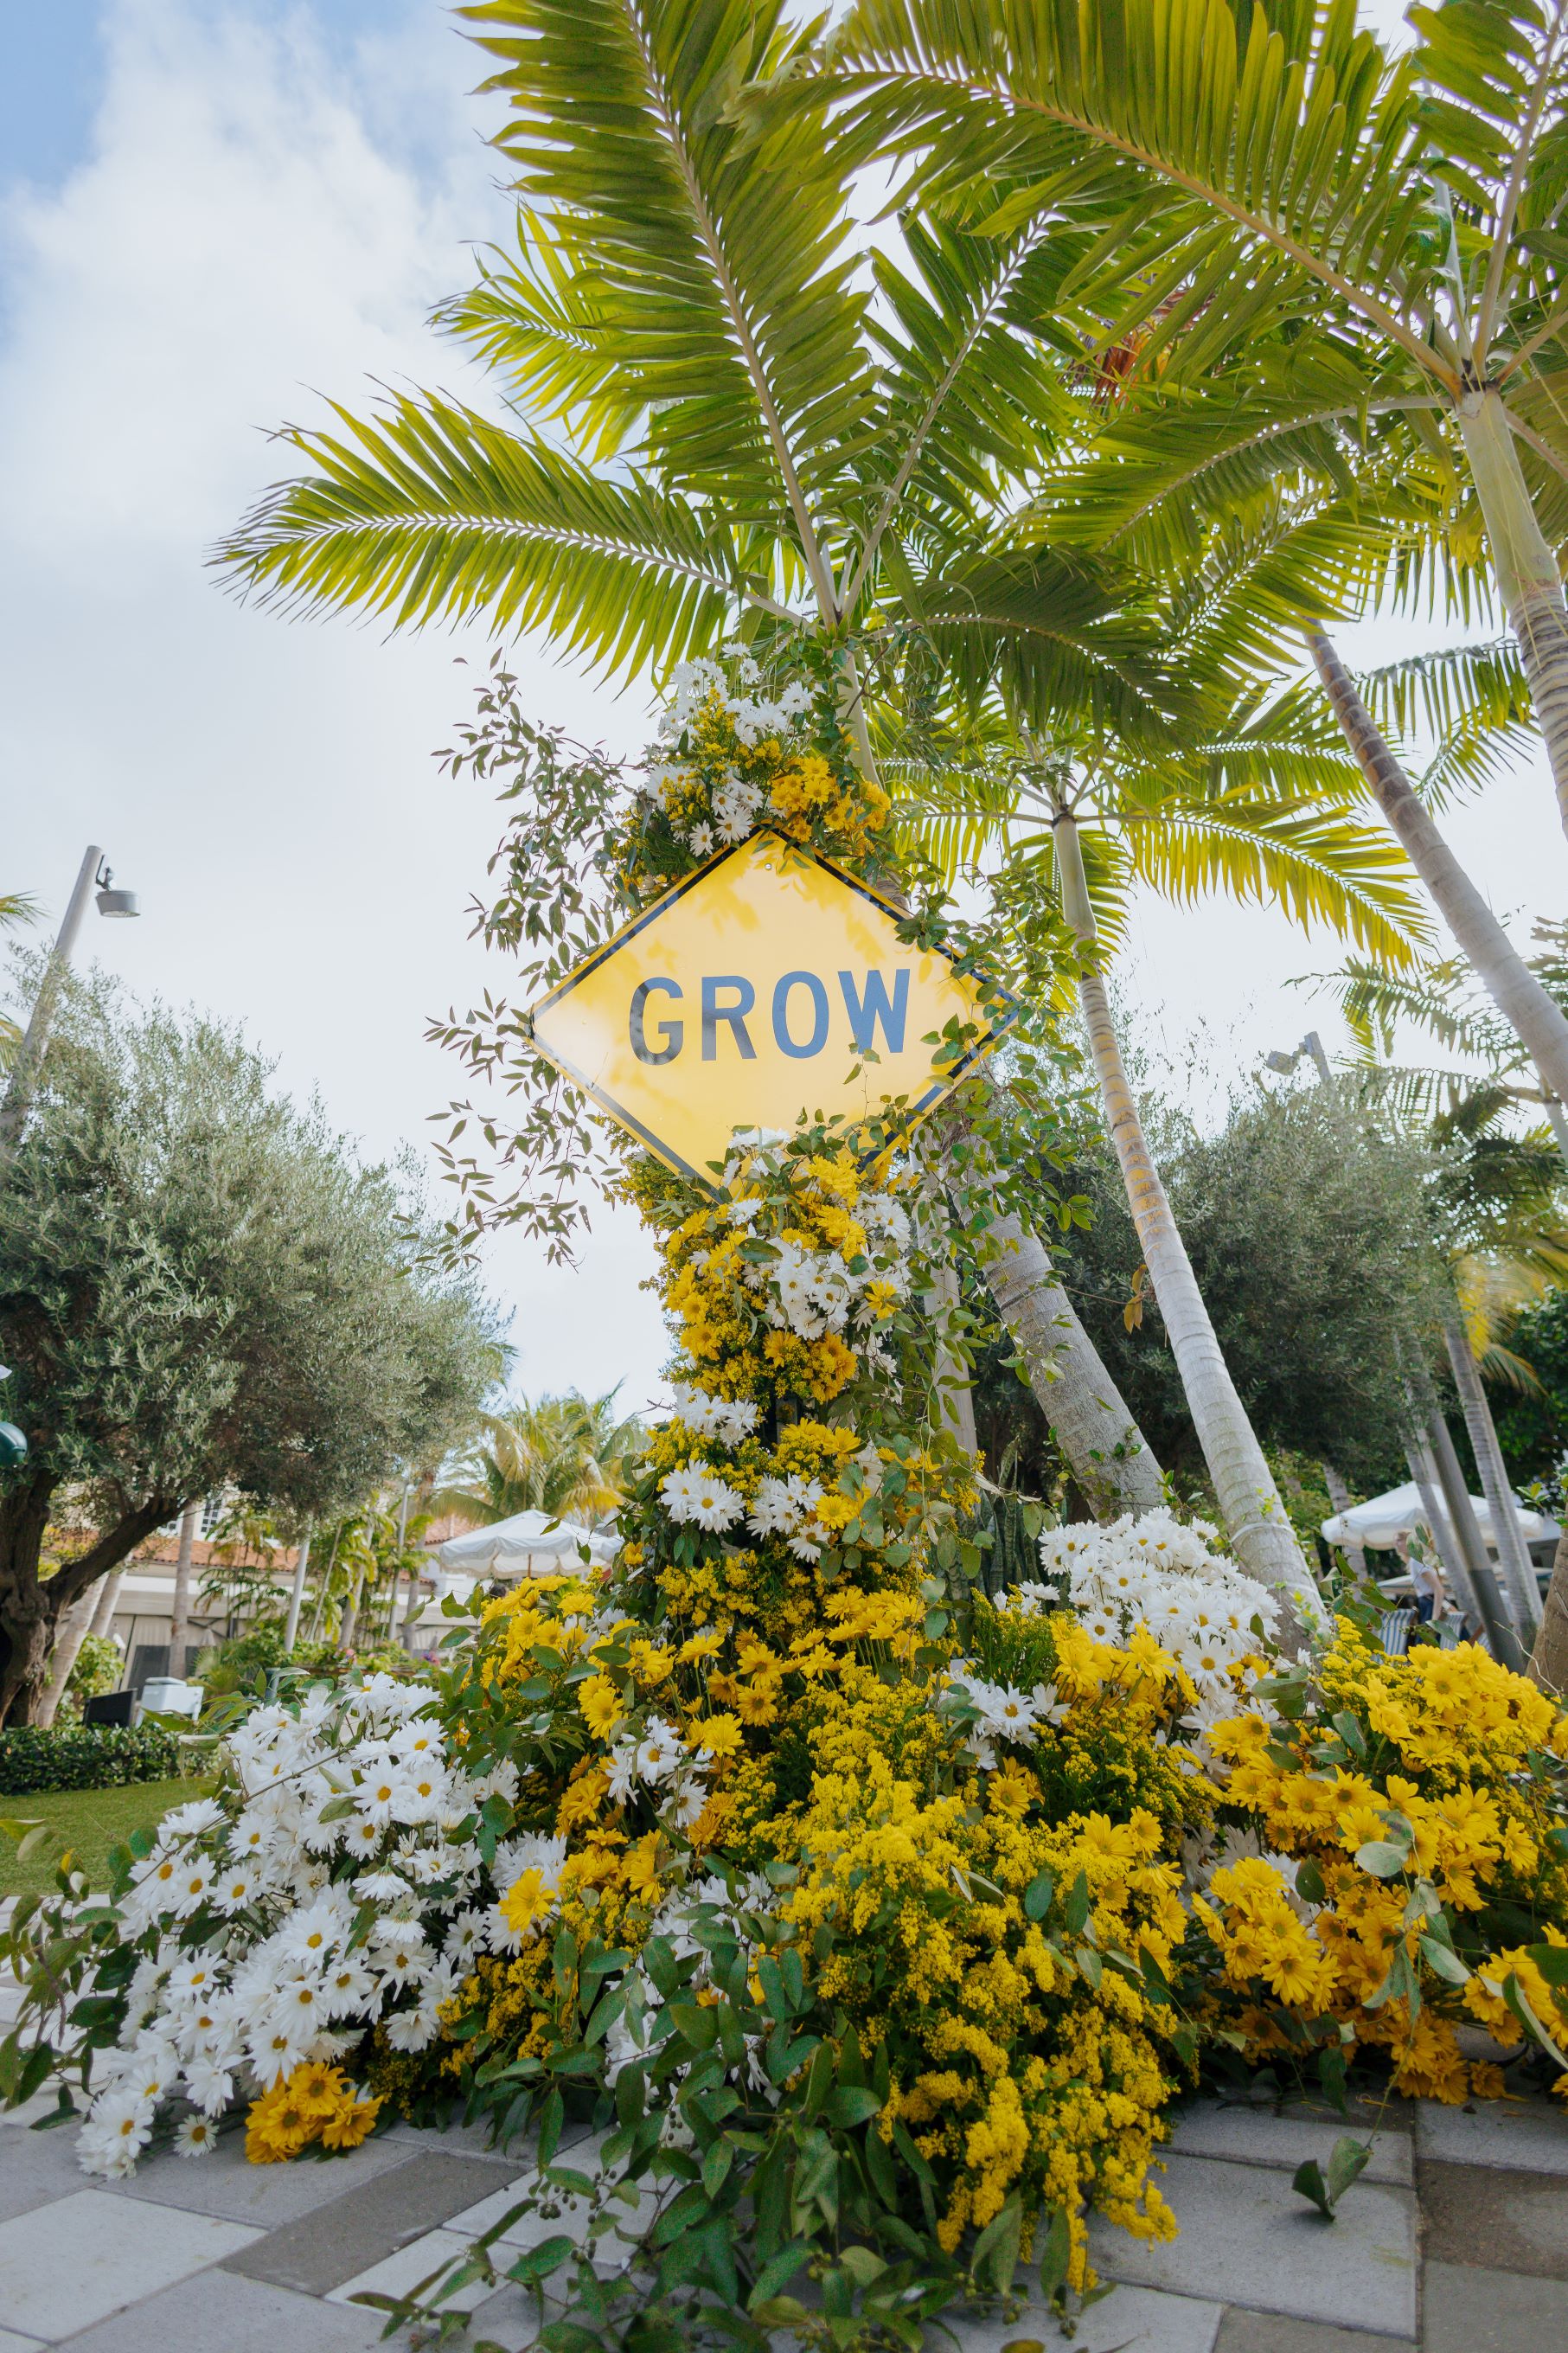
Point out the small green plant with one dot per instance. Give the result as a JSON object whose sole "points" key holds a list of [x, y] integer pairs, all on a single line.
{"points": [[1348, 2160]]}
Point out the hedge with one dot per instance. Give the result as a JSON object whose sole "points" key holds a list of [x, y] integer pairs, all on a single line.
{"points": [[85, 1757]]}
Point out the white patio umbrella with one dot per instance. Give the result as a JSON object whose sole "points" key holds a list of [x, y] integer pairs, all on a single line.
{"points": [[529, 1543], [1385, 1518]]}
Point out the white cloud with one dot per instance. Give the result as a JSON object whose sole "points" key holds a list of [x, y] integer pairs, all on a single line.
{"points": [[254, 220]]}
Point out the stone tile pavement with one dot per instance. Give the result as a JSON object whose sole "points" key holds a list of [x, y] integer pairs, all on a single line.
{"points": [[1454, 2240]]}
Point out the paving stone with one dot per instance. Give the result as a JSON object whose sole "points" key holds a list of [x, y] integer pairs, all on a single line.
{"points": [[35, 2167], [1503, 2220], [11, 2343], [226, 2183], [1272, 2332], [1247, 2239], [340, 2239], [1469, 2310], [218, 2313], [1257, 2137], [1139, 2319], [1527, 2135], [399, 2273], [42, 2104], [473, 2141], [67, 2265], [561, 2214]]}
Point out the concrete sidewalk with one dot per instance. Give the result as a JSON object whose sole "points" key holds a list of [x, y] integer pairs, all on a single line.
{"points": [[1454, 2240]]}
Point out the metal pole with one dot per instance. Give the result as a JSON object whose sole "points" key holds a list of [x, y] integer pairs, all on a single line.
{"points": [[1312, 1044], [296, 1597], [180, 1613], [29, 1060]]}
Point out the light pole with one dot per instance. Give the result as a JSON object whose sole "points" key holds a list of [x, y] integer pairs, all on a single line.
{"points": [[1311, 1044], [112, 903]]}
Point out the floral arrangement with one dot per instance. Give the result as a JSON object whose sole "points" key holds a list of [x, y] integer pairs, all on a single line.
{"points": [[1414, 1871], [254, 1942], [873, 1923], [730, 759]]}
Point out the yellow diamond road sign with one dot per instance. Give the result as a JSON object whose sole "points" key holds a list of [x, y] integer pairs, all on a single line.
{"points": [[753, 992]]}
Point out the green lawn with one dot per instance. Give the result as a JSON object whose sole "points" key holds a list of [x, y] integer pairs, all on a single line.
{"points": [[92, 1820]]}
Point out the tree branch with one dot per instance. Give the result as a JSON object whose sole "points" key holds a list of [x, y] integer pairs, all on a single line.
{"points": [[73, 1576]]}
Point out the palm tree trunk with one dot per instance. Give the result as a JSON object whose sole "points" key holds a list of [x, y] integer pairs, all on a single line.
{"points": [[107, 1595], [1507, 1648], [1519, 1573], [1526, 571], [319, 1611], [1249, 1501], [1456, 1569], [1089, 1418], [1106, 1451], [69, 1634], [1548, 1660], [1538, 1020]]}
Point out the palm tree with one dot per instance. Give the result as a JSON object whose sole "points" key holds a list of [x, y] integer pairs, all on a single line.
{"points": [[1231, 173], [568, 1456], [1535, 1017], [718, 435], [1224, 818], [743, 439], [1499, 1209]]}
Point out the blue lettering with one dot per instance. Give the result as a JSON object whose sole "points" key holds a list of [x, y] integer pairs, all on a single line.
{"points": [[866, 1010], [818, 1037], [671, 1034], [714, 1013]]}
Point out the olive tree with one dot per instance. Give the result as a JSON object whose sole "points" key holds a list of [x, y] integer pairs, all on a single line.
{"points": [[201, 1285], [1309, 1230]]}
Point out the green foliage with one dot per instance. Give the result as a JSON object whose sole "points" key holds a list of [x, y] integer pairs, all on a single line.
{"points": [[200, 1287], [243, 1663], [1533, 1426], [1348, 2160], [570, 1456], [99, 1665], [1307, 1228], [85, 1757]]}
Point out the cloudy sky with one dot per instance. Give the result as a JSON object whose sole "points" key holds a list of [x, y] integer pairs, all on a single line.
{"points": [[212, 214]]}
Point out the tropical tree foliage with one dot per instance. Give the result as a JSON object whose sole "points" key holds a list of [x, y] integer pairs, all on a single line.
{"points": [[201, 1287], [1296, 242], [570, 1456]]}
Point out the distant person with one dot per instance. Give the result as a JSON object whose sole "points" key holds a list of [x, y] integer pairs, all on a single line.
{"points": [[1431, 1595]]}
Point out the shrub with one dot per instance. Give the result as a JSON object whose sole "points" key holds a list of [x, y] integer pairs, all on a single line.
{"points": [[99, 1663], [85, 1757]]}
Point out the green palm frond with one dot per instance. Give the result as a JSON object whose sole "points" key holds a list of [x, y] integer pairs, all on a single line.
{"points": [[1276, 144], [536, 318], [1475, 700], [735, 314], [431, 512], [1436, 998], [1053, 634], [1325, 868], [569, 1456]]}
